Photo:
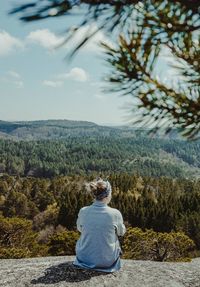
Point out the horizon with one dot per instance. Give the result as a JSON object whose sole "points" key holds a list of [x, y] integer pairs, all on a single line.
{"points": [[112, 125], [65, 119]]}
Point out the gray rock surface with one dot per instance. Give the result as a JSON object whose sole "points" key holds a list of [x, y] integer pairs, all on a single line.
{"points": [[59, 272]]}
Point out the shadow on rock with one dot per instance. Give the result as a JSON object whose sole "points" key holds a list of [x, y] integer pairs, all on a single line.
{"points": [[65, 272]]}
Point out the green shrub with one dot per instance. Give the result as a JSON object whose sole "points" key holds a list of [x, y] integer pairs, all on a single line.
{"points": [[17, 239], [63, 243], [15, 253], [157, 246]]}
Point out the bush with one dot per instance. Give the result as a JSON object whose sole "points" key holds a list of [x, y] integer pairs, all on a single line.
{"points": [[17, 240], [157, 246], [63, 243], [46, 218], [15, 253]]}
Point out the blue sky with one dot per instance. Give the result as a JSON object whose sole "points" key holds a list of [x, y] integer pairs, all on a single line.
{"points": [[36, 83]]}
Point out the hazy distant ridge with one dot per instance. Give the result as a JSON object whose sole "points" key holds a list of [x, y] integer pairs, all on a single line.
{"points": [[59, 129]]}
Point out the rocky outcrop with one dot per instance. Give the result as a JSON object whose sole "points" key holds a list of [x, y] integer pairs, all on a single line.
{"points": [[59, 271]]}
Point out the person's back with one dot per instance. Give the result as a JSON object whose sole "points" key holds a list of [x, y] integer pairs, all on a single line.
{"points": [[100, 225]]}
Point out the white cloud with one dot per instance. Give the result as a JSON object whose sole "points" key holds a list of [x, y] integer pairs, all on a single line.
{"points": [[93, 44], [19, 84], [13, 78], [8, 43], [13, 74], [53, 84], [49, 40], [75, 74], [44, 38]]}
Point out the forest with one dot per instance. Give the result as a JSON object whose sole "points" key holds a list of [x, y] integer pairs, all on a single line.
{"points": [[38, 215], [44, 168], [95, 154]]}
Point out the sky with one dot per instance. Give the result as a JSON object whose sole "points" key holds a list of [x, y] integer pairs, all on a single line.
{"points": [[37, 83]]}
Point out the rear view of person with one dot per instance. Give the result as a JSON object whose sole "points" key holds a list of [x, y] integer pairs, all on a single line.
{"points": [[98, 247]]}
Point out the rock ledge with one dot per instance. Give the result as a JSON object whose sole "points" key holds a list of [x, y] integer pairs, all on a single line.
{"points": [[59, 271]]}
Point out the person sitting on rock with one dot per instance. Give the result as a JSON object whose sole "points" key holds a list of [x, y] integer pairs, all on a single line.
{"points": [[98, 247]]}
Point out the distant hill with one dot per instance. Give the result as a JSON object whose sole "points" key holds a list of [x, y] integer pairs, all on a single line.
{"points": [[61, 129], [48, 129]]}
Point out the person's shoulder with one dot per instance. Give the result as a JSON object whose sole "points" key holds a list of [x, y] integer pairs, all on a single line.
{"points": [[114, 211], [84, 209]]}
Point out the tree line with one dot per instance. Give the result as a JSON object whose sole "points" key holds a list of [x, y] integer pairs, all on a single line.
{"points": [[47, 210]]}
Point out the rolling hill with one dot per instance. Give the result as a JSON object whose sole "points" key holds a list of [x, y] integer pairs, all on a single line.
{"points": [[62, 147]]}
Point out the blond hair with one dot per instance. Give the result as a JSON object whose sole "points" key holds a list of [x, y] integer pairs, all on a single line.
{"points": [[100, 189]]}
